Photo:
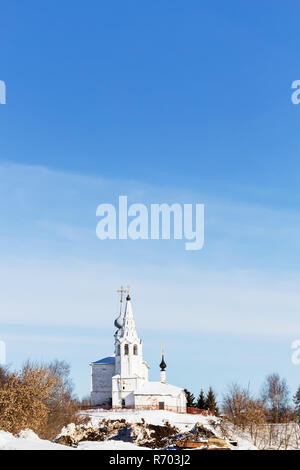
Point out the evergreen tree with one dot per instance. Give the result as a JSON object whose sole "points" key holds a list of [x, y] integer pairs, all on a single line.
{"points": [[201, 402], [297, 401], [211, 403], [190, 399]]}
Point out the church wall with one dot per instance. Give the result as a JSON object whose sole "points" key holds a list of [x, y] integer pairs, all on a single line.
{"points": [[144, 371], [146, 400], [182, 400], [116, 402], [152, 401], [102, 383], [123, 388]]}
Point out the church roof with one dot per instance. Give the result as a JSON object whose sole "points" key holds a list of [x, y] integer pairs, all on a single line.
{"points": [[159, 388], [106, 360]]}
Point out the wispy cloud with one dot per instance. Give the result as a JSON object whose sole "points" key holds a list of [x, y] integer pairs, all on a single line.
{"points": [[55, 339], [55, 271]]}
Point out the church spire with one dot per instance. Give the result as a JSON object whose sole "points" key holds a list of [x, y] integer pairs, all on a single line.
{"points": [[129, 329], [163, 365]]}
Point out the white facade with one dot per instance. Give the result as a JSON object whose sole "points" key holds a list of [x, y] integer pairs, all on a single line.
{"points": [[122, 379], [102, 373]]}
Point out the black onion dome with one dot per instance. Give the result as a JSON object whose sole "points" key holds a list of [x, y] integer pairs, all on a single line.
{"points": [[162, 365], [118, 322], [128, 297]]}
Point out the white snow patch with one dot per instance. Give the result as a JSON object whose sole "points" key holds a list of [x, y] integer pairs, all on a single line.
{"points": [[28, 434], [109, 445], [27, 440]]}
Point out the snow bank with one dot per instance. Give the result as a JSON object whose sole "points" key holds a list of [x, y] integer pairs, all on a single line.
{"points": [[27, 440], [183, 421], [118, 430], [131, 430], [152, 429]]}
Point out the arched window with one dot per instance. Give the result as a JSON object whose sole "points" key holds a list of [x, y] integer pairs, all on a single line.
{"points": [[118, 350], [135, 350], [126, 349]]}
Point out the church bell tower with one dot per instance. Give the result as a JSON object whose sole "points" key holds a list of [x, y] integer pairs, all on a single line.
{"points": [[130, 369]]}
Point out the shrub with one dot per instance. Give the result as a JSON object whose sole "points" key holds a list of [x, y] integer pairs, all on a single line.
{"points": [[39, 397], [22, 399]]}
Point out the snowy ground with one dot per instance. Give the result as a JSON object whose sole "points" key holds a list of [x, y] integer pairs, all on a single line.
{"points": [[183, 421], [109, 445], [160, 417], [28, 440], [138, 423]]}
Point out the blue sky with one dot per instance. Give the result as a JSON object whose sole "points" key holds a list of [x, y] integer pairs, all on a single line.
{"points": [[164, 102]]}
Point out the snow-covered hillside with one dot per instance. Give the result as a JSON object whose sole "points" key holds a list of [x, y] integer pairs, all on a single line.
{"points": [[138, 430], [151, 429]]}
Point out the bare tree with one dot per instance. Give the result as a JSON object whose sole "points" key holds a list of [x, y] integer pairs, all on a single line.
{"points": [[22, 399], [241, 408], [85, 401], [39, 397], [62, 404], [235, 403], [244, 411], [276, 395], [4, 375]]}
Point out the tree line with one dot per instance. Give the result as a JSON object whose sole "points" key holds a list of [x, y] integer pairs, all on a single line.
{"points": [[203, 402], [274, 403]]}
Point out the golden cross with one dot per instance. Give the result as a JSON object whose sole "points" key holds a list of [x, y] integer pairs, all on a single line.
{"points": [[121, 291]]}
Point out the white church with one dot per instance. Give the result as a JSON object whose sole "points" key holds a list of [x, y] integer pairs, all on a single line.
{"points": [[121, 380]]}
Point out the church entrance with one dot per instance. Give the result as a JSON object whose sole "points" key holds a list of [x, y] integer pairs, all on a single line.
{"points": [[123, 403], [161, 405]]}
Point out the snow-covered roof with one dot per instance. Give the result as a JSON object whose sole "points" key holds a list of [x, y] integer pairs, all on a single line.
{"points": [[106, 360], [158, 388]]}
